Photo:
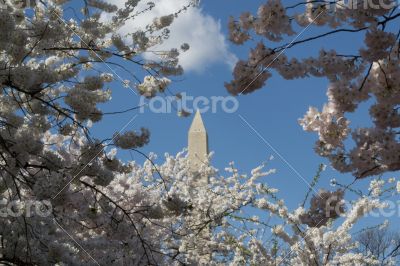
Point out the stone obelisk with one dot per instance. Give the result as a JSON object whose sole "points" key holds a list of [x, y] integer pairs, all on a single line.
{"points": [[197, 145], [197, 153]]}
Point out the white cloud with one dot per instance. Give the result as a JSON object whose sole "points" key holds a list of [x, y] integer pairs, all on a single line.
{"points": [[201, 31]]}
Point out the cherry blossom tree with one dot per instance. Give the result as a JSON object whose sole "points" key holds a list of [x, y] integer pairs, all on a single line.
{"points": [[158, 214], [57, 58], [223, 232], [381, 242], [370, 75]]}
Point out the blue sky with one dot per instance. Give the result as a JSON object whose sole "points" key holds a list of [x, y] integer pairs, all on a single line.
{"points": [[272, 111]]}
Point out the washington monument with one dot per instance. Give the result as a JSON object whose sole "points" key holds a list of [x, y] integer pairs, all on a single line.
{"points": [[197, 144]]}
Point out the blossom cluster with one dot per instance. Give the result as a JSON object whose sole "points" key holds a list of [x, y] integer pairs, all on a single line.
{"points": [[152, 85], [370, 75]]}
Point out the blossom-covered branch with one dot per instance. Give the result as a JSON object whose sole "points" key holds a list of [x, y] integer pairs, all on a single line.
{"points": [[369, 75]]}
